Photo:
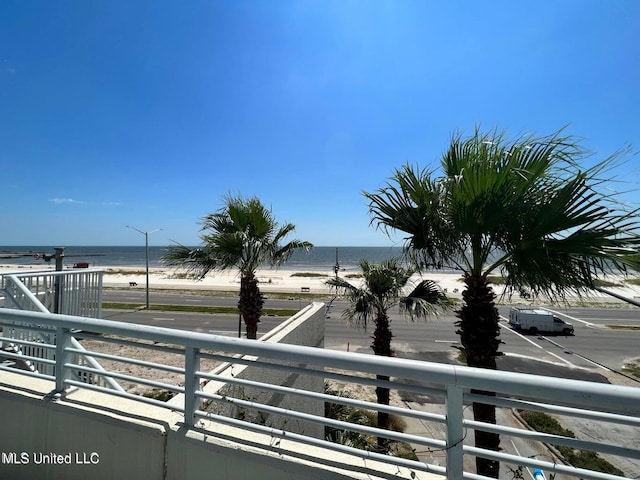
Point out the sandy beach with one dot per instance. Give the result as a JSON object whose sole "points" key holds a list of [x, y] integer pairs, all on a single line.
{"points": [[271, 280], [285, 280], [280, 280]]}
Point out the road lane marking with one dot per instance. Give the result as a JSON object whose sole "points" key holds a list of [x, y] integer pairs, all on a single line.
{"points": [[226, 333], [159, 319], [576, 319], [578, 355]]}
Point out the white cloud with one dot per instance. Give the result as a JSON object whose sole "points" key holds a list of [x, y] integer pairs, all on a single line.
{"points": [[64, 200], [60, 201]]}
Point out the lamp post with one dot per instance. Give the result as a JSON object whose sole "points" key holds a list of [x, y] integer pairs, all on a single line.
{"points": [[146, 244]]}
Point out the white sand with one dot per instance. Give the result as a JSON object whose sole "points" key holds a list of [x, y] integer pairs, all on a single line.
{"points": [[277, 280]]}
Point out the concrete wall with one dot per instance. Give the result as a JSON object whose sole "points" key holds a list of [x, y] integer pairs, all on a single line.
{"points": [[304, 328], [105, 438], [72, 440]]}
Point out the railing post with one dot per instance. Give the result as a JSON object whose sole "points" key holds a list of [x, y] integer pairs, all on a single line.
{"points": [[191, 384], [98, 275], [455, 432], [63, 341], [57, 290]]}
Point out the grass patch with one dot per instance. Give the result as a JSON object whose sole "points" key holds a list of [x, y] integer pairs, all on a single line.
{"points": [[184, 276], [309, 275], [496, 280], [541, 422], [117, 271], [462, 357], [624, 327], [162, 395], [227, 293], [277, 312], [632, 368]]}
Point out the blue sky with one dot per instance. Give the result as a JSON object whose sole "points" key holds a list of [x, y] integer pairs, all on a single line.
{"points": [[146, 113]]}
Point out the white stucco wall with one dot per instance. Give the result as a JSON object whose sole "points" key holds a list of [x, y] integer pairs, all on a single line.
{"points": [[304, 328], [126, 442]]}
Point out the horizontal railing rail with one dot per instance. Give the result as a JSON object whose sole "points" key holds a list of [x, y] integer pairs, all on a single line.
{"points": [[73, 292], [39, 358], [23, 295], [240, 402], [70, 292]]}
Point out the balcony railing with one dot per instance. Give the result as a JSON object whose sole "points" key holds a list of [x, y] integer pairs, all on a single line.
{"points": [[243, 407], [71, 292]]}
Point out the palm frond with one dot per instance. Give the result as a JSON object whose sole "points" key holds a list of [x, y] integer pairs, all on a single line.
{"points": [[383, 287], [242, 234], [427, 298], [411, 203], [526, 206], [197, 261], [362, 305]]}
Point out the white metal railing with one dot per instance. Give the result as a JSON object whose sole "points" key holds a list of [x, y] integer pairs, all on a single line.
{"points": [[71, 292], [79, 292], [612, 405]]}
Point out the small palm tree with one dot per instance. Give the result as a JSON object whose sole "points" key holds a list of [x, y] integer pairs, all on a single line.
{"points": [[383, 288], [525, 208], [243, 234]]}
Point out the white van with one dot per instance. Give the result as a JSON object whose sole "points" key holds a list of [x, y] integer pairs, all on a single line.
{"points": [[536, 320]]}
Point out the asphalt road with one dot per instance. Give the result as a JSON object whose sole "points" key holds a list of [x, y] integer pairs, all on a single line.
{"points": [[594, 348]]}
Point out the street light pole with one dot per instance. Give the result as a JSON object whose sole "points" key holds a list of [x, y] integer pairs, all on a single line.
{"points": [[146, 245]]}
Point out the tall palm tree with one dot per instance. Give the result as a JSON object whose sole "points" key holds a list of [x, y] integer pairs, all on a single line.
{"points": [[383, 288], [243, 234], [524, 208]]}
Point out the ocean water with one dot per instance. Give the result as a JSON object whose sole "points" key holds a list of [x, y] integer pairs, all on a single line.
{"points": [[320, 259]]}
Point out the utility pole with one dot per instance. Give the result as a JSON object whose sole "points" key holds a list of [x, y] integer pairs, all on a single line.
{"points": [[146, 244]]}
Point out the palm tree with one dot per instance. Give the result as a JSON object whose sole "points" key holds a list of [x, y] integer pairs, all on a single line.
{"points": [[243, 234], [524, 208], [382, 289]]}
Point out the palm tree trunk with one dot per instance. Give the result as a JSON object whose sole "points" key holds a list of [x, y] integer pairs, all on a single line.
{"points": [[479, 335], [382, 346], [250, 304]]}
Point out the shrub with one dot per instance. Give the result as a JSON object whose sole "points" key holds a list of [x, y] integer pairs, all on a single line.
{"points": [[542, 422]]}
